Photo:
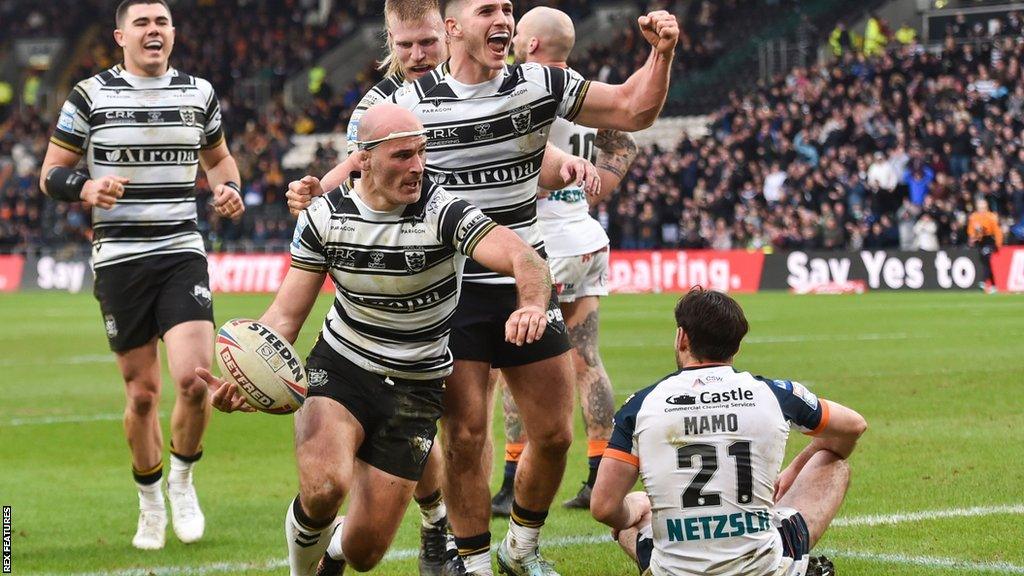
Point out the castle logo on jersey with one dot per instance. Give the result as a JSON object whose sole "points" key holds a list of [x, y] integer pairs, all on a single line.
{"points": [[522, 119], [415, 259], [188, 116], [317, 377]]}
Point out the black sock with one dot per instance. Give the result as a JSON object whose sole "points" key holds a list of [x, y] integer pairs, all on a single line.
{"points": [[151, 476], [528, 518], [474, 544], [593, 462], [304, 518], [510, 474]]}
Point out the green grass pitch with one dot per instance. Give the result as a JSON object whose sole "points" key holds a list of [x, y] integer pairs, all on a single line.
{"points": [[938, 377]]}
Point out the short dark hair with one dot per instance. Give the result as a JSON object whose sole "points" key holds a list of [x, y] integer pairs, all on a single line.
{"points": [[713, 322], [450, 6], [122, 8]]}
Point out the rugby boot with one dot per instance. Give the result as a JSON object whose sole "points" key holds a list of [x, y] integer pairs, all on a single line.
{"points": [[501, 504], [329, 566], [820, 566], [582, 499], [151, 530], [432, 547], [533, 564], [186, 516]]}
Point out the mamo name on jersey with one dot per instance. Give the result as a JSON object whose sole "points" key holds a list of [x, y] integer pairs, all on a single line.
{"points": [[569, 195], [712, 424], [146, 155], [718, 526]]}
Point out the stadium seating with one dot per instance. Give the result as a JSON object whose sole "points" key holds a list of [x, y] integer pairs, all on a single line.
{"points": [[770, 172]]}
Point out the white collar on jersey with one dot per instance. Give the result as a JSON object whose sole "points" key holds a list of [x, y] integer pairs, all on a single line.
{"points": [[371, 144]]}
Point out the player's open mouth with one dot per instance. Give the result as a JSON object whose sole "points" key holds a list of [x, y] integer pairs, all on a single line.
{"points": [[153, 46], [499, 42], [421, 69], [412, 186]]}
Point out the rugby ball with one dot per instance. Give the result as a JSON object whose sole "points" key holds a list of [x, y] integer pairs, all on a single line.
{"points": [[264, 365]]}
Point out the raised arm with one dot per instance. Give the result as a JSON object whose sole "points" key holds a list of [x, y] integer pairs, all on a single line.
{"points": [[636, 103]]}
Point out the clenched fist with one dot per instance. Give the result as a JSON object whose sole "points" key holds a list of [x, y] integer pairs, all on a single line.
{"points": [[661, 30]]}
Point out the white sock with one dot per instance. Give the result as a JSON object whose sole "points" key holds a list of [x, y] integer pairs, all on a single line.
{"points": [[151, 499], [181, 471], [430, 516], [521, 539], [478, 564], [334, 547], [305, 545]]}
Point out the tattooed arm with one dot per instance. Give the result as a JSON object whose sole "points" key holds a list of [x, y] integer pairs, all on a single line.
{"points": [[615, 154]]}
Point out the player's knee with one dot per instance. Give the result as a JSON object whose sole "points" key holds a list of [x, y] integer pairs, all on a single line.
{"points": [[464, 437], [322, 496], [366, 557], [142, 398], [192, 389], [555, 439]]}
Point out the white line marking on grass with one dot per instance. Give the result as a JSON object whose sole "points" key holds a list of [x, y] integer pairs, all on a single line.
{"points": [[832, 338], [68, 361], [68, 419], [883, 519], [591, 539], [928, 561]]}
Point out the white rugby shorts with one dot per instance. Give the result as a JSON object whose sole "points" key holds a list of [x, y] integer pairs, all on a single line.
{"points": [[579, 276]]}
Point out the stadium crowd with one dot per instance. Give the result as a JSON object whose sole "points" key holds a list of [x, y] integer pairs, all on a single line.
{"points": [[888, 151]]}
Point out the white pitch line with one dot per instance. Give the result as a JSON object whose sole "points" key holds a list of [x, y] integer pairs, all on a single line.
{"points": [[928, 561], [883, 519], [68, 361], [569, 541], [68, 419]]}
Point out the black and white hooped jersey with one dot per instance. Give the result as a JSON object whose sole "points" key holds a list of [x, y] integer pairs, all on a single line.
{"points": [[396, 275], [486, 141], [709, 443], [149, 130]]}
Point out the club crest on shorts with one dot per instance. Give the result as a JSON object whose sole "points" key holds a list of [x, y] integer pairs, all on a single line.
{"points": [[317, 377], [202, 295], [420, 447], [110, 325], [415, 259], [188, 116], [522, 119]]}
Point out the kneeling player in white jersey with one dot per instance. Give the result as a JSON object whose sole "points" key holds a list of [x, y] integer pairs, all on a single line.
{"points": [[394, 245], [577, 248], [708, 443]]}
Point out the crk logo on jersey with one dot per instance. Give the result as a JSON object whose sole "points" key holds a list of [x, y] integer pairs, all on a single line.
{"points": [[188, 116], [415, 260], [682, 400], [522, 119], [338, 257], [202, 295]]}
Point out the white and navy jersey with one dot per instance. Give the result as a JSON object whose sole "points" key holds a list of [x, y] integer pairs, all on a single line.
{"points": [[564, 215], [149, 130], [486, 141], [709, 443], [379, 93], [396, 276]]}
